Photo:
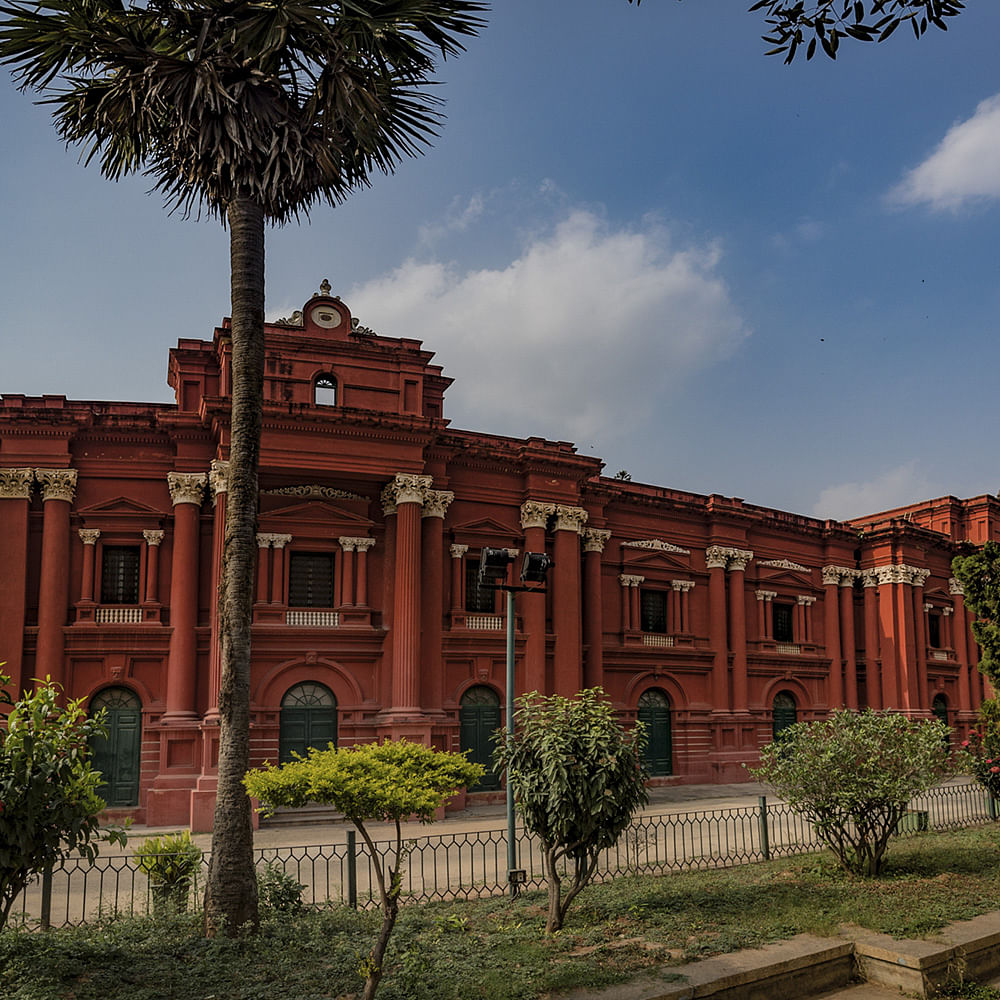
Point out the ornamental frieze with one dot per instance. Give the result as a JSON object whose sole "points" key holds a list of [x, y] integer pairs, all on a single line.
{"points": [[657, 545], [57, 484], [783, 564], [313, 492], [15, 484], [186, 487], [594, 539]]}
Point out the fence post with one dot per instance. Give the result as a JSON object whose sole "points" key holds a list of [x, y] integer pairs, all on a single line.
{"points": [[352, 869], [765, 840], [993, 805], [47, 896]]}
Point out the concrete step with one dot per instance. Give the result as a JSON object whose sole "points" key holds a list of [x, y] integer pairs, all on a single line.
{"points": [[309, 815]]}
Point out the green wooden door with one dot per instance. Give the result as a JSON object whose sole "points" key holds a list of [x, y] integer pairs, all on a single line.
{"points": [[479, 719], [654, 714], [784, 713], [308, 719], [117, 755]]}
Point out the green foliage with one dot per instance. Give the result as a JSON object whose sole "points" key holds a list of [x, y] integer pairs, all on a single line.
{"points": [[48, 789], [577, 780], [278, 891], [979, 575], [171, 862], [853, 775], [979, 755], [380, 781]]}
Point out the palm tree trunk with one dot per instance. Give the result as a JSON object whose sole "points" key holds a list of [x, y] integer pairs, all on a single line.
{"points": [[231, 889]]}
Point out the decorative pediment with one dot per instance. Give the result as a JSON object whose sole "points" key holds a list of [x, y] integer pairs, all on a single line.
{"points": [[120, 507], [654, 555], [314, 492], [312, 512], [656, 545], [784, 573], [485, 528], [782, 564]]}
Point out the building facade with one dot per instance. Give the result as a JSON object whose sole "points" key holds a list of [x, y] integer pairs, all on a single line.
{"points": [[714, 621]]}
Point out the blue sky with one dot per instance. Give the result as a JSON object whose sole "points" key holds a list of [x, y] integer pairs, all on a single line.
{"points": [[636, 232]]}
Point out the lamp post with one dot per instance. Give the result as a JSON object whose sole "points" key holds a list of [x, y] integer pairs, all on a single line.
{"points": [[493, 565]]}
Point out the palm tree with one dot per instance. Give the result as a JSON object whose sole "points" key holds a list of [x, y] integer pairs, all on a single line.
{"points": [[253, 110]]}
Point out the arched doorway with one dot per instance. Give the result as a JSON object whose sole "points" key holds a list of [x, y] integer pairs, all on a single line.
{"points": [[308, 719], [479, 719], [654, 714], [784, 713], [117, 755]]}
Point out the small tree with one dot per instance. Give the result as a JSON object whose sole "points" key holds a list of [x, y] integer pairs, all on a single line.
{"points": [[378, 781], [48, 788], [980, 753], [853, 774], [578, 780]]}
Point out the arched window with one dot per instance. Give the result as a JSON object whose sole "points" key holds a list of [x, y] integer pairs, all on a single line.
{"points": [[939, 706], [654, 714], [479, 719], [116, 755], [325, 391], [784, 713], [308, 719]]}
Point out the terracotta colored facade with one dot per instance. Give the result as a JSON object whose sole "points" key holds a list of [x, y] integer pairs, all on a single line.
{"points": [[712, 619]]}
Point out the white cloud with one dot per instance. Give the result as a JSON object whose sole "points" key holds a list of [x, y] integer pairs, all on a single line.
{"points": [[893, 488], [965, 166], [459, 216], [577, 338]]}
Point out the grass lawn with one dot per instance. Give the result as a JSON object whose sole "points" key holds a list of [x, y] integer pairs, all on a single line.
{"points": [[496, 949]]}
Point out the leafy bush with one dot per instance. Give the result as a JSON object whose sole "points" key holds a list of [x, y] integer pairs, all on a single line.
{"points": [[48, 788], [382, 781], [577, 779], [278, 891], [980, 756], [171, 862], [853, 774]]}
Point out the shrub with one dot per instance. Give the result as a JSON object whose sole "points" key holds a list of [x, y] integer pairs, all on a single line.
{"points": [[578, 780], [376, 781], [278, 891], [979, 755], [853, 774], [171, 862], [48, 788]]}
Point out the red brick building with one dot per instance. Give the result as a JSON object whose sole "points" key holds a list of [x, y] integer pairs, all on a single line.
{"points": [[712, 619]]}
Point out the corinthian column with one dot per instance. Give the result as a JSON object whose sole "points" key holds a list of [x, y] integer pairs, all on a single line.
{"points": [[849, 641], [186, 493], [869, 580], [58, 489], [738, 626], [534, 518], [960, 640], [831, 609], [716, 561], [15, 497], [593, 607], [566, 604], [436, 503], [408, 494], [89, 538]]}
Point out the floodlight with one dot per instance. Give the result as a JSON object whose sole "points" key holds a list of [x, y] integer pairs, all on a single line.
{"points": [[535, 566]]}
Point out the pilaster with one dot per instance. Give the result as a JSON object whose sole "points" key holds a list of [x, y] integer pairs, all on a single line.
{"points": [[58, 489], [15, 497]]}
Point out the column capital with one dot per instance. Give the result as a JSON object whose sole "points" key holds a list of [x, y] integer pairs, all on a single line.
{"points": [[683, 586], [535, 514], [869, 578], [628, 580], [408, 488], [153, 538], [264, 540], [57, 484], [437, 502], [805, 600], [724, 557], [765, 595], [218, 477], [848, 577], [570, 518], [186, 487], [594, 539], [457, 551], [947, 611], [349, 544], [919, 576], [89, 536], [955, 587], [280, 541], [901, 573], [388, 500], [838, 576], [928, 607], [16, 484]]}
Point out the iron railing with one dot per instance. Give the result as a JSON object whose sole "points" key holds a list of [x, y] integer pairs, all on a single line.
{"points": [[472, 865]]}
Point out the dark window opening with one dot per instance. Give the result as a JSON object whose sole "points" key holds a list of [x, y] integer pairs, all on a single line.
{"points": [[481, 599], [120, 575], [653, 610], [310, 580], [783, 614], [326, 391], [934, 631]]}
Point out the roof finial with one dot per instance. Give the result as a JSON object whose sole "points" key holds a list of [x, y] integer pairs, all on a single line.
{"points": [[324, 287]]}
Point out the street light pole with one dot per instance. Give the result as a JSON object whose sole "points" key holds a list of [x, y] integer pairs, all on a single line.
{"points": [[511, 833]]}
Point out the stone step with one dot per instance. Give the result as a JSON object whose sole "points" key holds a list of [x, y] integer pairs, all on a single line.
{"points": [[310, 815]]}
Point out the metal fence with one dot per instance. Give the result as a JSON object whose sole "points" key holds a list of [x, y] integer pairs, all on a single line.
{"points": [[473, 865]]}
